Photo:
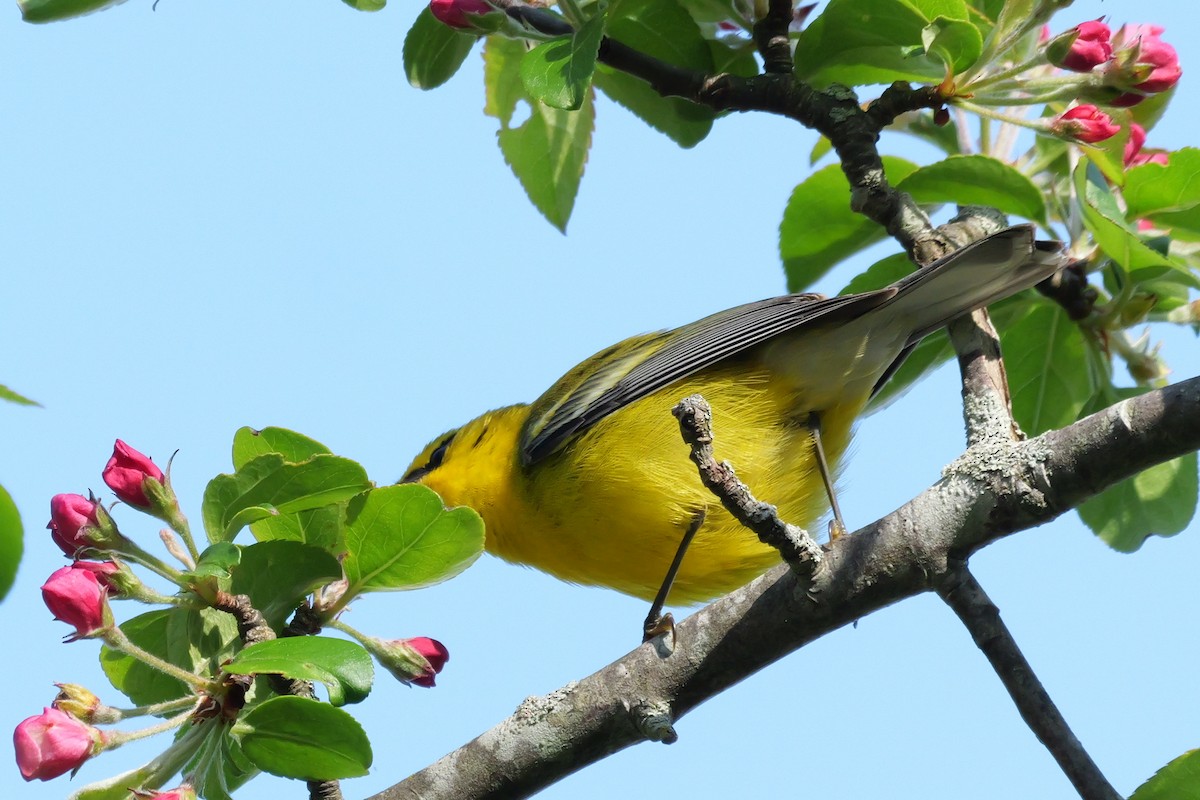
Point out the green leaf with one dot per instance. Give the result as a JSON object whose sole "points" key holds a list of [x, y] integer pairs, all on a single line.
{"points": [[11, 396], [1105, 221], [1166, 194], [663, 29], [10, 541], [684, 122], [219, 768], [195, 640], [548, 151], [54, 10], [344, 667], [249, 444], [976, 180], [278, 575], [559, 72], [218, 561], [1047, 364], [268, 485], [366, 5], [319, 527], [300, 738], [956, 42], [402, 537], [433, 52], [819, 229], [1178, 780], [879, 41], [1159, 501]]}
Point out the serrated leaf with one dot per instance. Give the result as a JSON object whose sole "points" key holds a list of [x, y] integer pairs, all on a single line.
{"points": [[268, 485], [1178, 780], [402, 537], [55, 10], [665, 30], [956, 42], [344, 667], [277, 575], [11, 543], [433, 51], [819, 229], [1159, 501], [1046, 360], [300, 738], [195, 640], [976, 180], [249, 444], [12, 397], [684, 122], [219, 768], [548, 151], [1105, 221], [559, 72], [873, 41]]}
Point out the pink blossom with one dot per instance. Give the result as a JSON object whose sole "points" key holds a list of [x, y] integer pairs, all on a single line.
{"points": [[53, 743], [72, 518], [1134, 157], [1082, 48], [1085, 123], [454, 12], [75, 596], [434, 652], [126, 473], [1143, 62]]}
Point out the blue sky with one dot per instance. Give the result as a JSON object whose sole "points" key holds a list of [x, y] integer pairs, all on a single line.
{"points": [[222, 214]]}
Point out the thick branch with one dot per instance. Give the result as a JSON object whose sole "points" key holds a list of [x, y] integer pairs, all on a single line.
{"points": [[987, 494], [959, 589]]}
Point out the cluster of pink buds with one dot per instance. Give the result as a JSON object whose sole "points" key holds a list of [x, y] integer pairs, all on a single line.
{"points": [[1133, 64]]}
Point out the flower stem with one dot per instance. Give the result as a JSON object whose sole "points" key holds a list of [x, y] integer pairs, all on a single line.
{"points": [[115, 638]]}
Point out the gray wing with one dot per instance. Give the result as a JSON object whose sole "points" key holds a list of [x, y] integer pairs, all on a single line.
{"points": [[611, 384]]}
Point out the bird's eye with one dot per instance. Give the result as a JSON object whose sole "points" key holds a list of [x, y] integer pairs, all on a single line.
{"points": [[434, 461]]}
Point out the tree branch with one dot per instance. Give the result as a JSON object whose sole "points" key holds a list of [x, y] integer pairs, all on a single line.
{"points": [[959, 589], [992, 491]]}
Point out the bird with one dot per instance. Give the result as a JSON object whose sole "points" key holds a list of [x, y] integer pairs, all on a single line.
{"points": [[592, 483]]}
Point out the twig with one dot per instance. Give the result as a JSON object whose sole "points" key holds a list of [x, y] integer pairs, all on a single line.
{"points": [[959, 589], [792, 542]]}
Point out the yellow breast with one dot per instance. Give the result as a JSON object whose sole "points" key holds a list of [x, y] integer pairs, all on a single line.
{"points": [[610, 508]]}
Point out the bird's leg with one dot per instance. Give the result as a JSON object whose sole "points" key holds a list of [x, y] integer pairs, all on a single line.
{"points": [[657, 622], [837, 527]]}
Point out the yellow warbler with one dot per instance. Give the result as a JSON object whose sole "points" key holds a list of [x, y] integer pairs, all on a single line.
{"points": [[592, 482]]}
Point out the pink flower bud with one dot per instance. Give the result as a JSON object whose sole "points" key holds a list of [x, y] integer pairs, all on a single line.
{"points": [[454, 12], [417, 660], [75, 596], [1143, 62], [1082, 48], [1134, 157], [104, 572], [72, 521], [53, 743], [126, 473], [1085, 123], [434, 652]]}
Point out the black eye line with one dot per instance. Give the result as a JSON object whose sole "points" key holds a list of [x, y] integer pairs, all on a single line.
{"points": [[435, 460]]}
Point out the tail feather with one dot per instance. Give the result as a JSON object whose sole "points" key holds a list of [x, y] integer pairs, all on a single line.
{"points": [[975, 276]]}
